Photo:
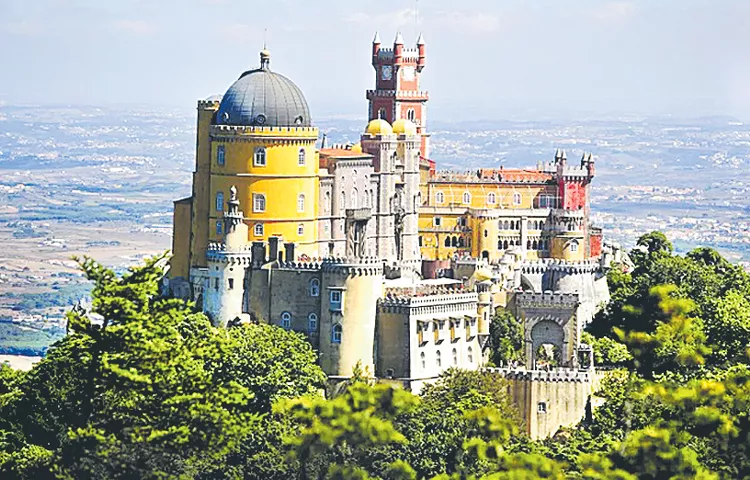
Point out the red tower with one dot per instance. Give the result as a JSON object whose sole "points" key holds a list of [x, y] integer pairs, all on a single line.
{"points": [[397, 94]]}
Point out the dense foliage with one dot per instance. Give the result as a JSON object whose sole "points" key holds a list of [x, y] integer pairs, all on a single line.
{"points": [[145, 387]]}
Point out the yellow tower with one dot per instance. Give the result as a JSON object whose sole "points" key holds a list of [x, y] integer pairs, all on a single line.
{"points": [[259, 139]]}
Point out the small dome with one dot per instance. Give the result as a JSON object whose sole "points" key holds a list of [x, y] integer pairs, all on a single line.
{"points": [[379, 127], [404, 127], [357, 148], [264, 98]]}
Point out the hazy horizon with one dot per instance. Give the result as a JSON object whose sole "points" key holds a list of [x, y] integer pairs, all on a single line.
{"points": [[486, 60]]}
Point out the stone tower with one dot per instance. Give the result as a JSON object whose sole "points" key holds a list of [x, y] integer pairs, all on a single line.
{"points": [[397, 92]]}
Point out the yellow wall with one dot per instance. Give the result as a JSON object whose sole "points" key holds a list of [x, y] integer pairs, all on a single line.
{"points": [[479, 192], [433, 237], [201, 195], [561, 248], [281, 180], [179, 264]]}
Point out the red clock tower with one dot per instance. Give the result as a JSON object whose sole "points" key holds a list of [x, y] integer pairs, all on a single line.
{"points": [[397, 94]]}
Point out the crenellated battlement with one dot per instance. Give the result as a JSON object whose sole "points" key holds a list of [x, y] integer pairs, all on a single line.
{"points": [[558, 265], [436, 303], [209, 104], [547, 299], [411, 94], [553, 376]]}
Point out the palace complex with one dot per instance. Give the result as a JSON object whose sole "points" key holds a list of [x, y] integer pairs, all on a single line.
{"points": [[373, 253]]}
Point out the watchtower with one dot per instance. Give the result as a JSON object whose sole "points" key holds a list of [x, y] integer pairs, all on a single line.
{"points": [[397, 92]]}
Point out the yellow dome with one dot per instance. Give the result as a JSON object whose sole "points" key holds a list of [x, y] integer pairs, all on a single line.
{"points": [[357, 148], [379, 127], [404, 127]]}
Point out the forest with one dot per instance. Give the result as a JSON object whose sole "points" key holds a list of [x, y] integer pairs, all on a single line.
{"points": [[145, 387]]}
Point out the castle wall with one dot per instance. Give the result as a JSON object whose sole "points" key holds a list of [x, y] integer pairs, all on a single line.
{"points": [[549, 400], [179, 264]]}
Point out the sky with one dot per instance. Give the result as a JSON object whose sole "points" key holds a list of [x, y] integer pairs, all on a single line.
{"points": [[486, 59]]}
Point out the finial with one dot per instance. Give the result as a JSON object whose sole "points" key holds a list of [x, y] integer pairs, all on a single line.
{"points": [[376, 40], [265, 58], [557, 154], [420, 40], [399, 39], [563, 155], [233, 193]]}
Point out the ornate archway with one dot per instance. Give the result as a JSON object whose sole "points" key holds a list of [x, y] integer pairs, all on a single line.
{"points": [[545, 332]]}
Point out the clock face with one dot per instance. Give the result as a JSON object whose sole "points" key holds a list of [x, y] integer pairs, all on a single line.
{"points": [[408, 73], [387, 72]]}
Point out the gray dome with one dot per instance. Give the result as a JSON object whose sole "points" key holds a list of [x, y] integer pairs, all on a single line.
{"points": [[264, 98]]}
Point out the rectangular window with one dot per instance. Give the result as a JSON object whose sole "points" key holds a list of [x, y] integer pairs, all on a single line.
{"points": [[258, 229], [437, 221], [541, 407], [259, 158], [220, 155], [231, 284], [336, 300], [516, 199], [219, 201]]}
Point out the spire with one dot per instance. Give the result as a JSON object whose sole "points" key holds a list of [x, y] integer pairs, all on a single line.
{"points": [[420, 40], [233, 216], [399, 39], [376, 40], [563, 155]]}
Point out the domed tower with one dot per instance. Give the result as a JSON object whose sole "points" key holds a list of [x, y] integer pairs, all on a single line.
{"points": [[263, 142]]}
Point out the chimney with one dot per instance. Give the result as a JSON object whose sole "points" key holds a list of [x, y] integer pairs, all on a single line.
{"points": [[258, 254], [289, 252], [273, 248]]}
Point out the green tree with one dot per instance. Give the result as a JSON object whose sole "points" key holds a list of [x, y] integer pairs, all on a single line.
{"points": [[506, 339]]}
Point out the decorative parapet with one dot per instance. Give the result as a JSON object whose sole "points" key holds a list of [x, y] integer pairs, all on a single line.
{"points": [[547, 299], [555, 375], [410, 94], [367, 266], [430, 304], [558, 265], [229, 131]]}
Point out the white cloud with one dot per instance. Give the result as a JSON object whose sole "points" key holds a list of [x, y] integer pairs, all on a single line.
{"points": [[399, 18], [613, 12], [135, 27], [475, 22]]}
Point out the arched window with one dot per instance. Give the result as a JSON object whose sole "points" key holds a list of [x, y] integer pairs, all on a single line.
{"points": [[355, 198], [314, 287], [219, 227], [574, 246], [437, 358], [286, 320], [423, 357], [301, 159], [439, 197], [220, 155], [300, 232], [528, 244], [327, 202], [411, 114], [336, 334], [219, 201], [454, 242], [470, 355], [342, 205], [259, 157], [516, 199], [259, 203], [486, 232], [301, 202], [467, 198], [312, 323], [381, 114], [461, 242], [535, 245], [491, 198], [258, 229], [447, 241], [455, 357], [505, 244], [507, 225]]}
